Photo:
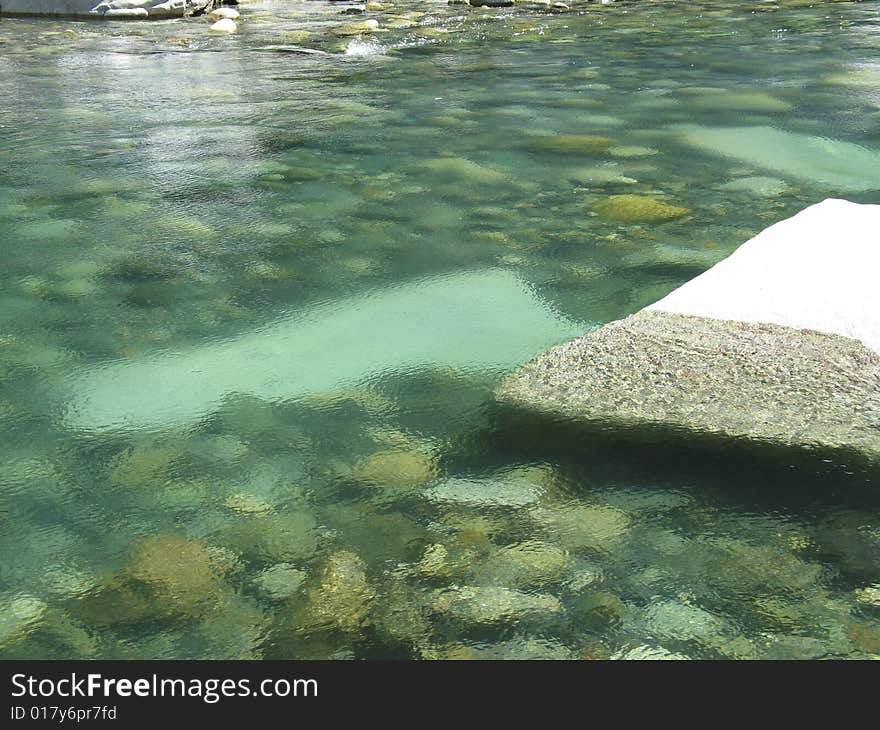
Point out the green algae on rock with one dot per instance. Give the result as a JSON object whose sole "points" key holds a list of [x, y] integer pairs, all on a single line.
{"points": [[397, 469], [342, 597], [637, 209]]}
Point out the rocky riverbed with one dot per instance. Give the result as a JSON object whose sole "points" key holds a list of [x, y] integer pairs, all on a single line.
{"points": [[167, 191]]}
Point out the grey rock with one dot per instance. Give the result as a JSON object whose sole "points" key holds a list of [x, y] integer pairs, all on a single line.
{"points": [[758, 381]]}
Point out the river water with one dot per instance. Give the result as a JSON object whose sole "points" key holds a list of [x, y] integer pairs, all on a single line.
{"points": [[256, 291]]}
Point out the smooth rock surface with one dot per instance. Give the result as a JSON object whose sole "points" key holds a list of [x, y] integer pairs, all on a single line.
{"points": [[777, 343], [816, 270], [485, 321], [840, 165]]}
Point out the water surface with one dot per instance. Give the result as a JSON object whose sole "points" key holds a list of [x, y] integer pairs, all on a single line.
{"points": [[167, 194]]}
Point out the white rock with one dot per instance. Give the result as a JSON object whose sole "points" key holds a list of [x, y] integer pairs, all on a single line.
{"points": [[121, 13], [224, 25], [168, 9], [220, 13], [816, 271]]}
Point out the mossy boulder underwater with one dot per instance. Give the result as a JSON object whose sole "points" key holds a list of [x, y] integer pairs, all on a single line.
{"points": [[637, 209]]}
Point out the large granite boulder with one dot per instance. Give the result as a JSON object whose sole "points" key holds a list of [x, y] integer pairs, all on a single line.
{"points": [[777, 343]]}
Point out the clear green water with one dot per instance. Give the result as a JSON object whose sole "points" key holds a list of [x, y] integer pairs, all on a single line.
{"points": [[164, 191]]}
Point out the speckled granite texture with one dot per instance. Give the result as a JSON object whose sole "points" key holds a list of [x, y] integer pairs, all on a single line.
{"points": [[763, 382]]}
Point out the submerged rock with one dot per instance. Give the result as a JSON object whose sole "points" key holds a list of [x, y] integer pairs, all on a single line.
{"points": [[279, 582], [585, 526], [838, 165], [645, 652], [869, 595], [637, 209], [146, 466], [674, 620], [527, 564], [367, 26], [273, 537], [572, 144], [460, 168], [765, 187], [489, 605], [397, 469], [441, 321], [19, 615], [180, 574], [220, 13], [341, 599], [484, 492], [740, 101], [224, 25]]}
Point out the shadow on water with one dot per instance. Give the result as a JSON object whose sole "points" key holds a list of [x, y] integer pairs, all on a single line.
{"points": [[742, 473]]}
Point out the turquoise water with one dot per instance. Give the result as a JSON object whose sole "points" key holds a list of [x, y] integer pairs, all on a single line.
{"points": [[254, 301]]}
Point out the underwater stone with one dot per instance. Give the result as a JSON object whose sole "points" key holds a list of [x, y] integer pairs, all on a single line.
{"points": [[840, 166], [247, 504], [280, 581], [584, 526], [597, 611], [765, 187], [571, 144], [275, 537], [648, 653], [740, 101], [757, 570], [435, 562], [777, 343], [220, 13], [630, 151], [527, 649], [342, 598], [475, 321], [460, 168], [527, 564], [869, 595], [180, 574], [19, 615], [487, 605], [143, 466], [397, 469], [637, 209], [484, 492], [674, 620]]}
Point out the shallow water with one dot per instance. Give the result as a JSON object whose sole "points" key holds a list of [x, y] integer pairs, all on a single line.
{"points": [[167, 196]]}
